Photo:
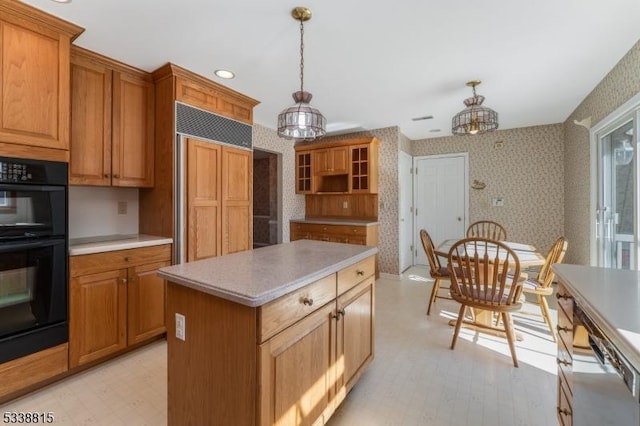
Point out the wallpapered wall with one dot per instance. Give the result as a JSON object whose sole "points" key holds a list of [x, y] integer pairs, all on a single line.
{"points": [[617, 87], [527, 172]]}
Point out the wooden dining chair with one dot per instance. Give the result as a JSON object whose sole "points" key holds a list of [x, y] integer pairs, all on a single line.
{"points": [[436, 270], [478, 281], [487, 229], [540, 286]]}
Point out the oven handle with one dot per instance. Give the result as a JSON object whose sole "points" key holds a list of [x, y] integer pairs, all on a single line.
{"points": [[13, 246], [27, 187]]}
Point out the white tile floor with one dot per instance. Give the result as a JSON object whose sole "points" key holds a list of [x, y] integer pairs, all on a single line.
{"points": [[415, 378]]}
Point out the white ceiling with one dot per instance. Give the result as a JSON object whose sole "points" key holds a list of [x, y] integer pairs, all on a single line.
{"points": [[376, 64]]}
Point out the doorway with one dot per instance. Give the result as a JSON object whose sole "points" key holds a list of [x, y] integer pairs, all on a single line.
{"points": [[266, 226], [441, 198], [406, 236]]}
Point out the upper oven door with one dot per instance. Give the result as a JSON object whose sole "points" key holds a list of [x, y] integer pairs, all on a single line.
{"points": [[33, 198], [28, 211]]}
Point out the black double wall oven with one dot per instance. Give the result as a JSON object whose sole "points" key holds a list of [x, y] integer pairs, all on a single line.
{"points": [[33, 256]]}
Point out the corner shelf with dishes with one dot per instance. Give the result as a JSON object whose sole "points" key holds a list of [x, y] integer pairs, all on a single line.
{"points": [[339, 180]]}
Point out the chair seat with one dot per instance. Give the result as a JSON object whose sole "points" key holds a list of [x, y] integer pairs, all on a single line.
{"points": [[491, 302], [442, 272]]}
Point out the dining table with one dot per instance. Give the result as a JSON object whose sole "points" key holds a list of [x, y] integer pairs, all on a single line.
{"points": [[482, 320]]}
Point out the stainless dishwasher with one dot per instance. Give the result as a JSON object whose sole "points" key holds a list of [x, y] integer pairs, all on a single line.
{"points": [[605, 385]]}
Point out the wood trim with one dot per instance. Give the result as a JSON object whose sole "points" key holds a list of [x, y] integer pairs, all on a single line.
{"points": [[115, 65], [33, 152], [23, 372], [174, 70], [39, 17], [306, 146]]}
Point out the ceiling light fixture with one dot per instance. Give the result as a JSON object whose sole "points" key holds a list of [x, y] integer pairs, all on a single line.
{"points": [[301, 121], [475, 118], [226, 74]]}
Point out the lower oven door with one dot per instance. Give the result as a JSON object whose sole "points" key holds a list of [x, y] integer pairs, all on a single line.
{"points": [[33, 296], [602, 393]]}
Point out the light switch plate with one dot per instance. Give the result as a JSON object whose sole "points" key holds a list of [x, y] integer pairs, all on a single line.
{"points": [[122, 207], [180, 327]]}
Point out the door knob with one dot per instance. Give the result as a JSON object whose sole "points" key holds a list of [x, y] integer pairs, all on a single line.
{"points": [[459, 219]]}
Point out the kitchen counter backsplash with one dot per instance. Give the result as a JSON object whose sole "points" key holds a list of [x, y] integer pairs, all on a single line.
{"points": [[103, 243]]}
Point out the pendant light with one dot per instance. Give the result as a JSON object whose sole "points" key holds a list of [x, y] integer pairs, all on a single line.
{"points": [[475, 118], [301, 121]]}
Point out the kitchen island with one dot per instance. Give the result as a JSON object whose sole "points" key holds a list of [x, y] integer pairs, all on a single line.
{"points": [[276, 335], [598, 307]]}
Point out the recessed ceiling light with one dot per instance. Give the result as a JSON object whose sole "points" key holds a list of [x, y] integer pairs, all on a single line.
{"points": [[62, 1], [226, 74]]}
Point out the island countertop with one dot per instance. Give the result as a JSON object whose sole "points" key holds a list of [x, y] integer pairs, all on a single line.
{"points": [[611, 298], [255, 277]]}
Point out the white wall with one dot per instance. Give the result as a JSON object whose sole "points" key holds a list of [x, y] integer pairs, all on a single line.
{"points": [[93, 211]]}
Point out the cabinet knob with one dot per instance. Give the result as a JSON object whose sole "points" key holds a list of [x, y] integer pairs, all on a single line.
{"points": [[123, 280], [565, 329], [106, 175], [307, 301], [360, 272], [564, 411], [126, 258], [339, 314], [563, 362], [563, 296], [116, 176]]}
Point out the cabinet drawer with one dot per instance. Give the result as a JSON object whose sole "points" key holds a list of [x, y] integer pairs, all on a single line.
{"points": [[279, 314], [92, 263], [352, 275]]}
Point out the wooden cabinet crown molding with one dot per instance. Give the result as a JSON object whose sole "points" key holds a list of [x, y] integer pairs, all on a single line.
{"points": [[307, 146], [172, 70], [115, 65], [19, 10]]}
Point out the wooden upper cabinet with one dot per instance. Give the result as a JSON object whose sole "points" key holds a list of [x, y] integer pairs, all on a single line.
{"points": [[34, 79], [331, 161], [214, 98], [339, 167], [91, 122], [112, 123], [133, 109]]}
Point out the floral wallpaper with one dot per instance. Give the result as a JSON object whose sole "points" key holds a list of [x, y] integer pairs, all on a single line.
{"points": [[617, 87], [523, 166]]}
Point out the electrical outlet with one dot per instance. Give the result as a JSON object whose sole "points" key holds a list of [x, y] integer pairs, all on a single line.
{"points": [[180, 327], [498, 202], [345, 204], [122, 207]]}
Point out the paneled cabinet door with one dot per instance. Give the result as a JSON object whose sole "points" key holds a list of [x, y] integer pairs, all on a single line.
{"points": [[145, 302], [296, 374], [133, 110], [98, 316], [90, 162], [237, 207], [304, 173], [354, 335], [331, 161], [34, 83]]}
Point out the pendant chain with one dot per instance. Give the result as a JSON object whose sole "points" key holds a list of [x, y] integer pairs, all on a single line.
{"points": [[301, 55]]}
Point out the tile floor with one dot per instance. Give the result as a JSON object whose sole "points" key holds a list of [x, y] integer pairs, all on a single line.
{"points": [[415, 378]]}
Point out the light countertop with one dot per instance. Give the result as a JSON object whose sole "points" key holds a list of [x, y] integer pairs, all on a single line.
{"points": [[347, 222], [255, 277], [103, 243], [611, 298]]}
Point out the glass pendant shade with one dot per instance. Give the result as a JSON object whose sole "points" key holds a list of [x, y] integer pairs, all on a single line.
{"points": [[475, 118], [301, 121]]}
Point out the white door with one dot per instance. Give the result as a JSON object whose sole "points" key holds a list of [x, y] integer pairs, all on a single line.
{"points": [[406, 242], [441, 198]]}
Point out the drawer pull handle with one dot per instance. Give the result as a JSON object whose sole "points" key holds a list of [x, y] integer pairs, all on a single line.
{"points": [[563, 362], [565, 329], [563, 296], [360, 272], [564, 411], [307, 301], [339, 314]]}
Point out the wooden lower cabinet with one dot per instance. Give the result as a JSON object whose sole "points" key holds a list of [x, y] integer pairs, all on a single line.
{"points": [[289, 362], [116, 300]]}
